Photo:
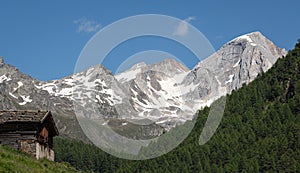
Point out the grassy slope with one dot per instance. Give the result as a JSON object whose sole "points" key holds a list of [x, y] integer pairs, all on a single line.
{"points": [[14, 161]]}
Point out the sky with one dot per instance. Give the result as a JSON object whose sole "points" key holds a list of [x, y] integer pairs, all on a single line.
{"points": [[45, 38]]}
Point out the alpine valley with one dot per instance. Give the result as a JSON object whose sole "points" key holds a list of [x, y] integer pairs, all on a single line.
{"points": [[161, 95]]}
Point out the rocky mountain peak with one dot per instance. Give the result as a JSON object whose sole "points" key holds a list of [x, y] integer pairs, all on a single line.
{"points": [[253, 46], [138, 65], [168, 63], [99, 69], [92, 72], [249, 37], [169, 67], [256, 39]]}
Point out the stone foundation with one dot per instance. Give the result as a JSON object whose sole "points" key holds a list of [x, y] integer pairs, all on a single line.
{"points": [[28, 146], [37, 150]]}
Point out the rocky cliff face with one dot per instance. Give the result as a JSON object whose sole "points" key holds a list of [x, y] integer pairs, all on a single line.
{"points": [[237, 62], [165, 94]]}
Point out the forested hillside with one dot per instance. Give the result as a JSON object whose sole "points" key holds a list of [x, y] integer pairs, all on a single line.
{"points": [[260, 132]]}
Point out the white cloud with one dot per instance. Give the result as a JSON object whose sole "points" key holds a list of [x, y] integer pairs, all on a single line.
{"points": [[85, 25], [182, 29]]}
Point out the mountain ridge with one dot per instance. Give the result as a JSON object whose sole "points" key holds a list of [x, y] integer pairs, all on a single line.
{"points": [[166, 93]]}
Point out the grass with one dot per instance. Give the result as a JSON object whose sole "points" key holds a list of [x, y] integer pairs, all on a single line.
{"points": [[15, 161]]}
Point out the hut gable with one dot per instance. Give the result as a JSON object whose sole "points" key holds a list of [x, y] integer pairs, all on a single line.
{"points": [[29, 131]]}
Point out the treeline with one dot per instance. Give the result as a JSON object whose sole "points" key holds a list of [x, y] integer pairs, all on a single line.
{"points": [[259, 132]]}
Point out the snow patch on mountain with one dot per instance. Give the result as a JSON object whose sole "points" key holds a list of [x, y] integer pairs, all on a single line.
{"points": [[11, 94], [131, 73], [237, 63], [230, 79], [128, 75], [4, 78], [26, 99]]}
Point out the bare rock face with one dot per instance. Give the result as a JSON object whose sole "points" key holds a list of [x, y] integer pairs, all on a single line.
{"points": [[166, 93], [237, 62], [258, 55]]}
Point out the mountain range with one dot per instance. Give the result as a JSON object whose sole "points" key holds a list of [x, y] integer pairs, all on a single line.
{"points": [[160, 95], [259, 132]]}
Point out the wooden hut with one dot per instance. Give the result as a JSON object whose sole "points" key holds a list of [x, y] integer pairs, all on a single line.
{"points": [[29, 131]]}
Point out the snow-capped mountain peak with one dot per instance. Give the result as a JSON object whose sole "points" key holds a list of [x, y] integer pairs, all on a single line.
{"points": [[167, 92]]}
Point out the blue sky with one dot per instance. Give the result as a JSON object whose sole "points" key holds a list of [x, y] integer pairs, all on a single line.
{"points": [[45, 38]]}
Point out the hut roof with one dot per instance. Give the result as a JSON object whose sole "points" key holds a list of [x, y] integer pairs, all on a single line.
{"points": [[28, 116]]}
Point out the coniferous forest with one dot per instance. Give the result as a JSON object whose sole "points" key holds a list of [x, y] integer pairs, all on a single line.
{"points": [[259, 132]]}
